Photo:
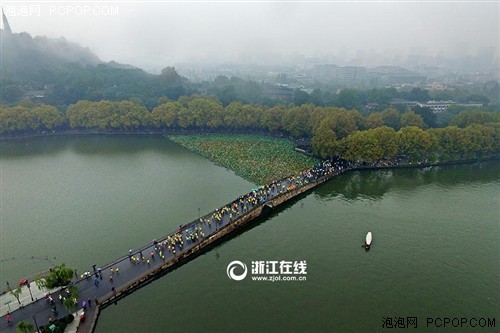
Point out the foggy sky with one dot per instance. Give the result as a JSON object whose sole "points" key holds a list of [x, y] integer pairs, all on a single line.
{"points": [[157, 34]]}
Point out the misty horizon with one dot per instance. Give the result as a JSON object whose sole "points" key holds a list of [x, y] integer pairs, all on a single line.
{"points": [[156, 35]]}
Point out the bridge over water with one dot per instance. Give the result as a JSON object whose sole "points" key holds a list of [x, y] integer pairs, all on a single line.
{"points": [[108, 283]]}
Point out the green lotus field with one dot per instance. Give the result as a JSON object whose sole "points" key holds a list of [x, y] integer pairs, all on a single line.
{"points": [[259, 159]]}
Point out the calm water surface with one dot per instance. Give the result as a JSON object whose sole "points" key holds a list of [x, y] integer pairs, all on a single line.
{"points": [[88, 200]]}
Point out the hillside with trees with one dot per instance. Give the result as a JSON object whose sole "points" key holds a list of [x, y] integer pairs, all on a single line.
{"points": [[60, 73], [63, 73]]}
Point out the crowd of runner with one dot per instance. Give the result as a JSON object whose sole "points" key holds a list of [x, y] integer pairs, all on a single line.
{"points": [[195, 232]]}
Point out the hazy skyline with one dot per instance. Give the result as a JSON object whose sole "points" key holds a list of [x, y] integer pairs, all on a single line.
{"points": [[158, 34]]}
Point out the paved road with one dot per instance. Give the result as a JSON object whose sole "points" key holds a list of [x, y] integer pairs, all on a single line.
{"points": [[140, 261], [9, 303]]}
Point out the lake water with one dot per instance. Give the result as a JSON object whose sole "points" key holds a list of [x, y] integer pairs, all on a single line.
{"points": [[87, 200]]}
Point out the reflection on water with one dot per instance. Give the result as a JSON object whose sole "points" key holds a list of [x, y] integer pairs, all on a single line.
{"points": [[88, 145], [372, 185]]}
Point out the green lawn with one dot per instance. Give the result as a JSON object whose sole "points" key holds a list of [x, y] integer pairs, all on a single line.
{"points": [[259, 159]]}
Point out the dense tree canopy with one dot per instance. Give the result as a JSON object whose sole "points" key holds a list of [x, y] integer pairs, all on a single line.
{"points": [[324, 141], [107, 115], [466, 118], [410, 118], [21, 118], [332, 131]]}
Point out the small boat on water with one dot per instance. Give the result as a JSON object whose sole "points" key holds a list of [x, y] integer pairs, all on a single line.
{"points": [[368, 241]]}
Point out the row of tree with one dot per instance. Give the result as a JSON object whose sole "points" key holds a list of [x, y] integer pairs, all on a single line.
{"points": [[25, 118], [450, 142], [299, 121], [333, 131]]}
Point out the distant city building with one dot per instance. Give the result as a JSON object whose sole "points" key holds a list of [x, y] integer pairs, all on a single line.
{"points": [[351, 73], [326, 71], [435, 106], [394, 75], [441, 106], [347, 73], [386, 74]]}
